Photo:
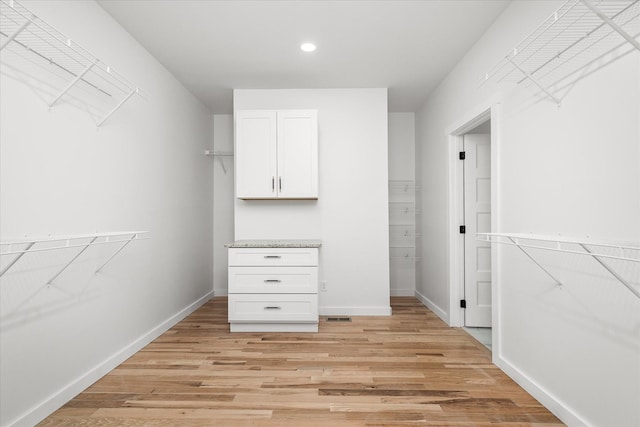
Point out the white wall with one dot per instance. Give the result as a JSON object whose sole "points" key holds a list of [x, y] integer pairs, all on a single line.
{"points": [[222, 200], [402, 146], [351, 213], [402, 160], [570, 170], [144, 169]]}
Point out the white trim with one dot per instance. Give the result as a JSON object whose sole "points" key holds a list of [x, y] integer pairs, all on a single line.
{"points": [[57, 400], [471, 120], [549, 401], [496, 149], [403, 292], [433, 307], [456, 240], [354, 311]]}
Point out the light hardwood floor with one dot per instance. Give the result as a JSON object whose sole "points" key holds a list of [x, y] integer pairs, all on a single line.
{"points": [[408, 369]]}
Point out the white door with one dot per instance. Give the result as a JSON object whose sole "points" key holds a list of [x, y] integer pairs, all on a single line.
{"points": [[297, 154], [477, 218], [255, 154]]}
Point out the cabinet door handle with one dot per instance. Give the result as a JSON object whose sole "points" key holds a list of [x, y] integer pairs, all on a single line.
{"points": [[273, 184], [272, 256], [280, 183], [272, 281], [273, 307]]}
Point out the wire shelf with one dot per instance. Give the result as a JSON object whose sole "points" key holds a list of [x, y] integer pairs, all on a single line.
{"points": [[402, 233], [578, 35], [20, 29], [402, 213], [402, 187], [402, 254], [403, 236], [20, 247], [600, 251]]}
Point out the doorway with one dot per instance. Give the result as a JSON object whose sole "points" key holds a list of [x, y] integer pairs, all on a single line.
{"points": [[473, 201]]}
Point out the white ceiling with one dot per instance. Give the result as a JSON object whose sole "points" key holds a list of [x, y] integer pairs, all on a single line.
{"points": [[214, 46]]}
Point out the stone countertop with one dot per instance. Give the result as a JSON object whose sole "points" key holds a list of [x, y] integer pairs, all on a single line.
{"points": [[274, 244]]}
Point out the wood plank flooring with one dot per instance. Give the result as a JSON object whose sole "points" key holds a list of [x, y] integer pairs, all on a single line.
{"points": [[408, 369]]}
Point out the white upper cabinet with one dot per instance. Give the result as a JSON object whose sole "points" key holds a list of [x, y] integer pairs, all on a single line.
{"points": [[276, 154]]}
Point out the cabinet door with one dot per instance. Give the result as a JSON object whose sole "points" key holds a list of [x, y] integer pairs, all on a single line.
{"points": [[297, 154], [256, 154]]}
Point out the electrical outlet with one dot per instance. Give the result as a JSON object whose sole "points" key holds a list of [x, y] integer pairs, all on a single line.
{"points": [[323, 286]]}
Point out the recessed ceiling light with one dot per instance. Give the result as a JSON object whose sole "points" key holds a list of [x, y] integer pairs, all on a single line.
{"points": [[308, 47]]}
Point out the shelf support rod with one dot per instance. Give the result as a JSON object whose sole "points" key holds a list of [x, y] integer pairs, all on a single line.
{"points": [[4, 270], [222, 164], [16, 32], [117, 252], [530, 77], [117, 106], [610, 270], [72, 84], [72, 260], [535, 262], [612, 24]]}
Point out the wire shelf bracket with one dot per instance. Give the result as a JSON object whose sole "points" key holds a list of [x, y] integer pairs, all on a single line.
{"points": [[534, 80], [593, 249], [575, 36], [219, 155], [72, 84], [82, 241], [612, 24], [35, 35], [17, 31]]}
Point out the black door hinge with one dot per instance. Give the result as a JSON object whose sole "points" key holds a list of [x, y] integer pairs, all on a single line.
{"points": [[463, 303], [463, 229], [462, 155]]}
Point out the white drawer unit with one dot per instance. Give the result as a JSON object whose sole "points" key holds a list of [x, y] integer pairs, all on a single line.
{"points": [[273, 289]]}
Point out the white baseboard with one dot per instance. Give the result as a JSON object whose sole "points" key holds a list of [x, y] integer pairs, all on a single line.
{"points": [[355, 311], [403, 292], [57, 400], [431, 306], [557, 407], [221, 292]]}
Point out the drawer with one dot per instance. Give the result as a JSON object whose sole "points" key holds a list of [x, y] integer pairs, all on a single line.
{"points": [[273, 308], [273, 257], [273, 280]]}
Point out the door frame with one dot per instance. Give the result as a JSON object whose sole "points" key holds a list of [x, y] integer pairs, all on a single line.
{"points": [[454, 138]]}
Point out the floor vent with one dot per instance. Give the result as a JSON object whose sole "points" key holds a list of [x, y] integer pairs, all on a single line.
{"points": [[338, 319]]}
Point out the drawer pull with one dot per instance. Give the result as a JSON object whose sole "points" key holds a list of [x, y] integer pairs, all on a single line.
{"points": [[273, 307], [272, 256], [272, 281]]}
